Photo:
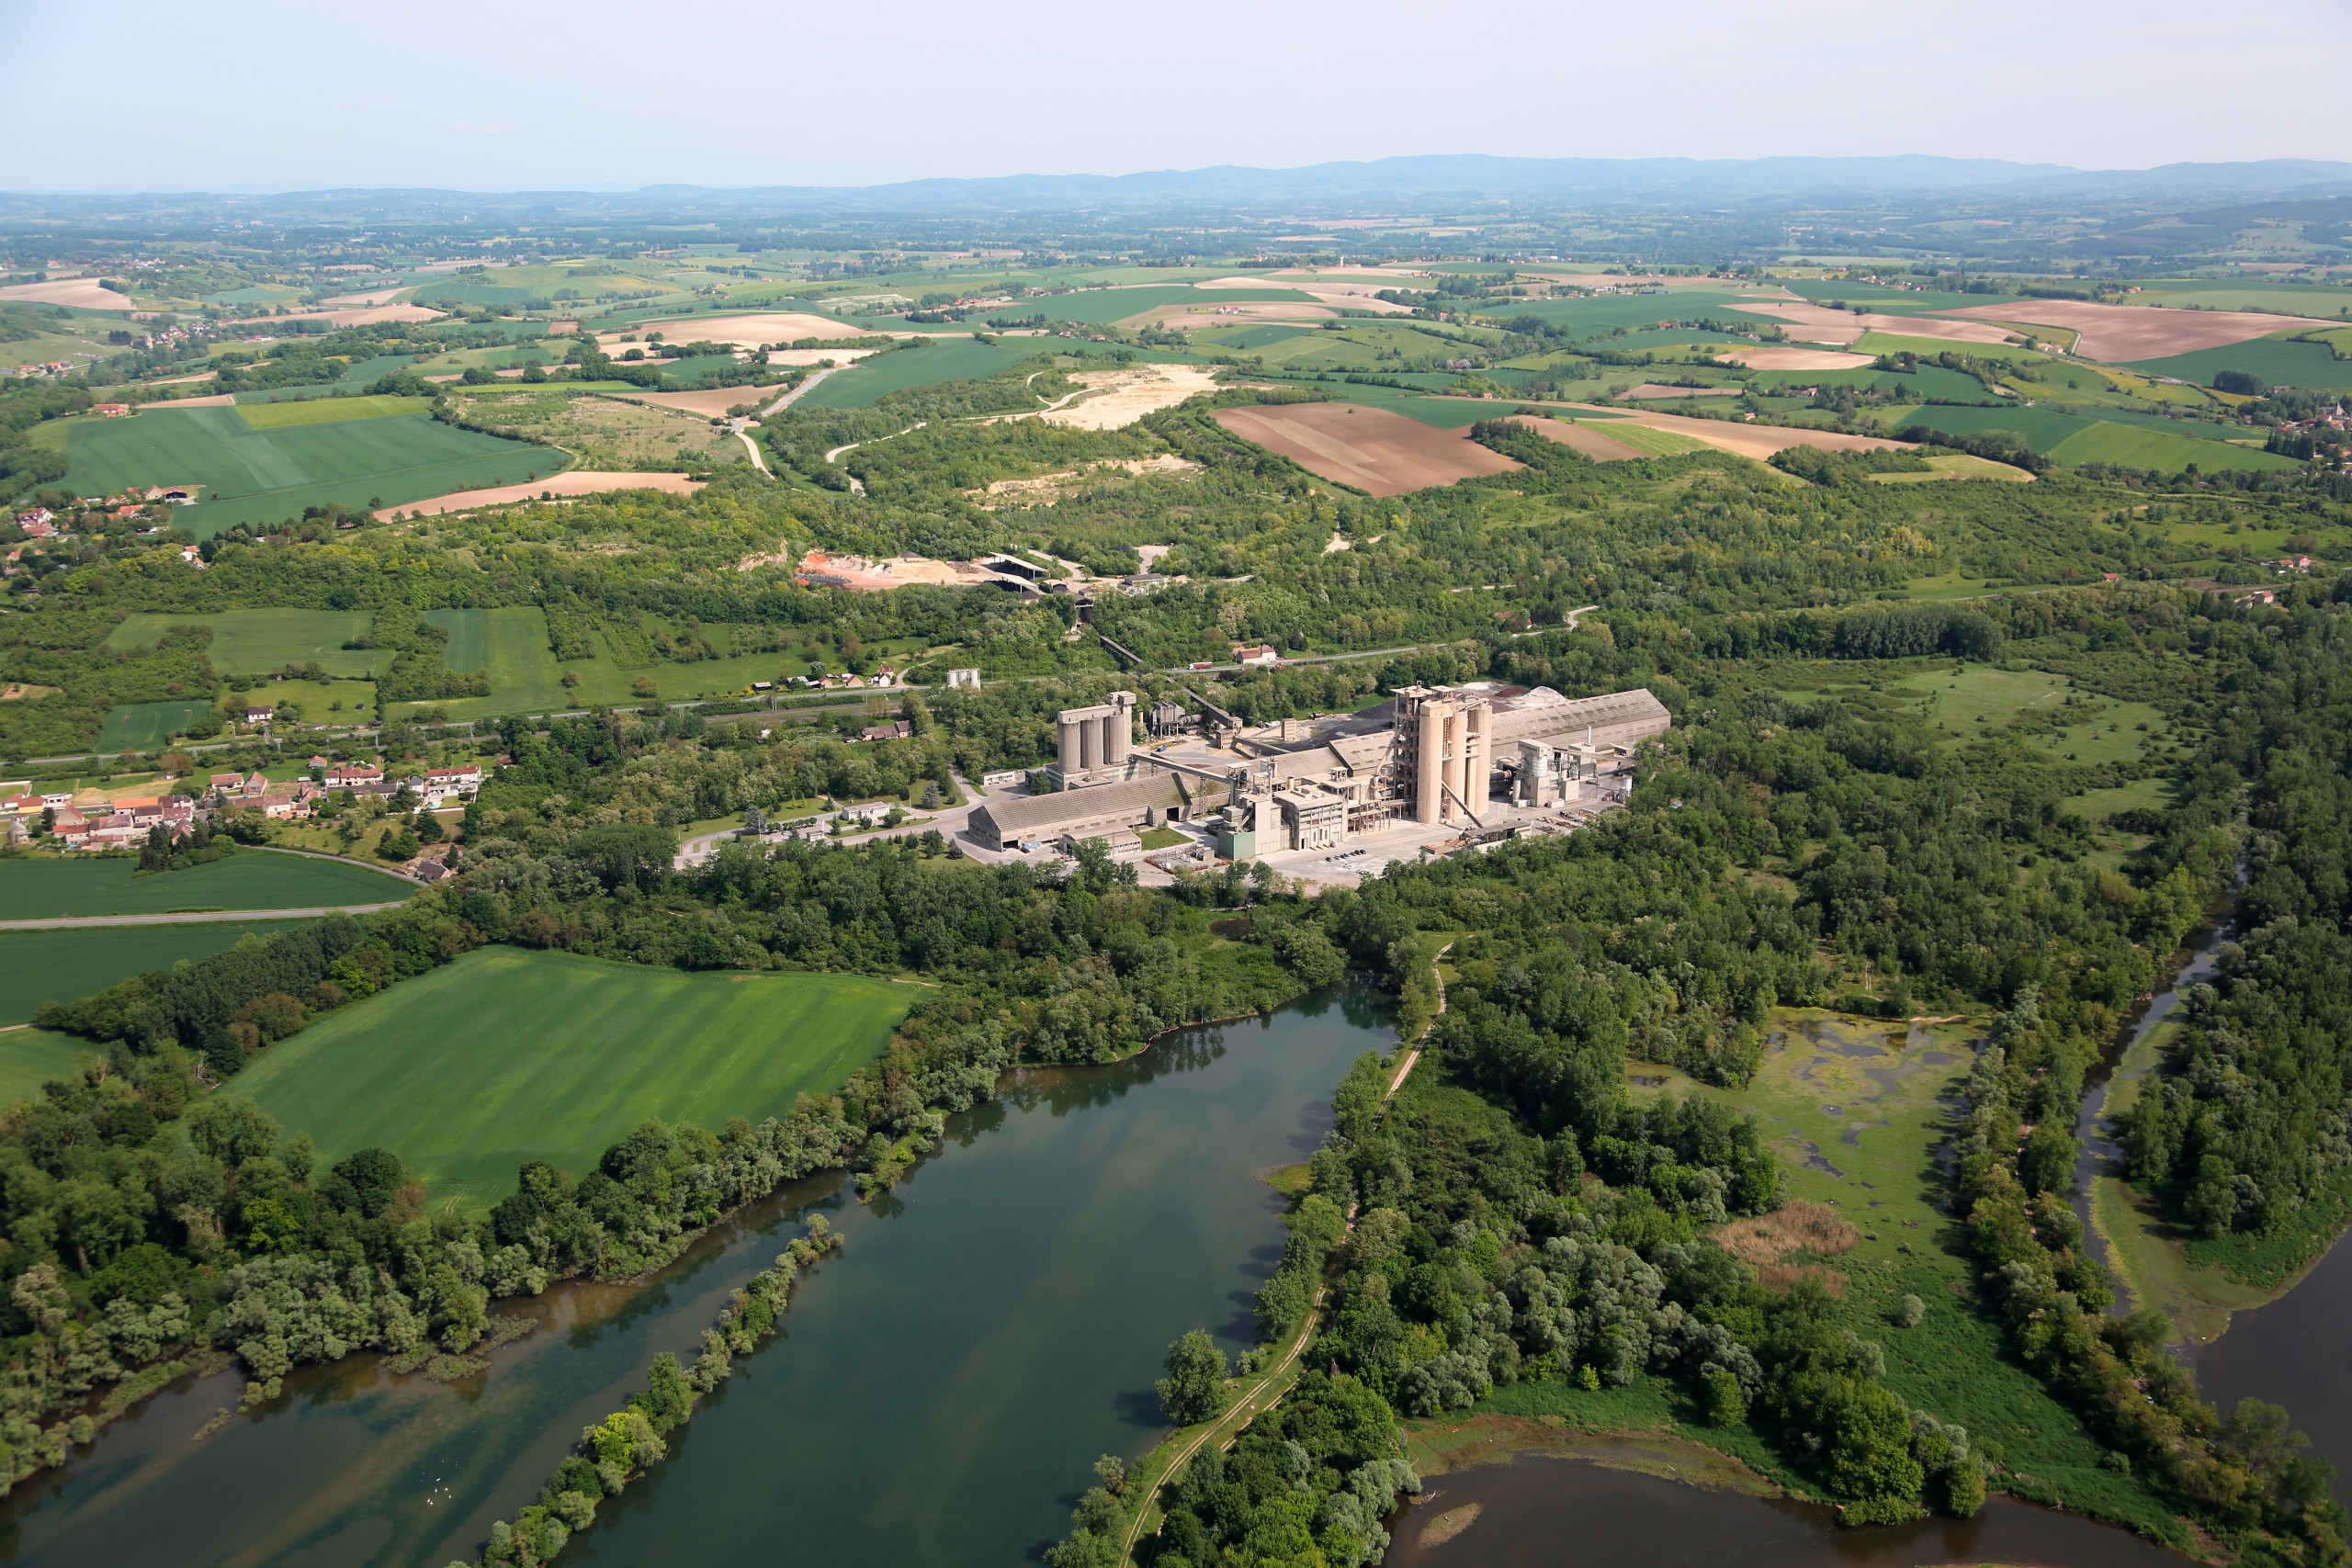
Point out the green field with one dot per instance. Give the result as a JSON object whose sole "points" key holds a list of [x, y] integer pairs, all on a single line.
{"points": [[1958, 466], [2091, 440], [324, 410], [1259, 337], [60, 889], [255, 642], [268, 475], [1099, 307], [1928, 348], [1651, 442], [142, 727], [2107, 442], [507, 1055], [71, 963], [2280, 361], [469, 630], [1857, 1110], [965, 359], [31, 1058], [512, 646], [1590, 318]]}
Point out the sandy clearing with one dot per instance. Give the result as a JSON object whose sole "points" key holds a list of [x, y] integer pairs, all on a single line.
{"points": [[1238, 314], [1653, 390], [2122, 334], [710, 402], [1584, 438], [1046, 490], [745, 332], [1372, 449], [370, 297], [1118, 397], [84, 292], [1760, 441], [1799, 359], [564, 485]]}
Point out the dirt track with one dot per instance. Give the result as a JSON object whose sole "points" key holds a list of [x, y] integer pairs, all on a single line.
{"points": [[2122, 333], [1377, 451]]}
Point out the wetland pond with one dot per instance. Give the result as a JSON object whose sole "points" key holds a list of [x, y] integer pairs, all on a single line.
{"points": [[938, 1391]]}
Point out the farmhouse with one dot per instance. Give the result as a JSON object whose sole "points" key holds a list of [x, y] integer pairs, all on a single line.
{"points": [[111, 411], [353, 774], [440, 784]]}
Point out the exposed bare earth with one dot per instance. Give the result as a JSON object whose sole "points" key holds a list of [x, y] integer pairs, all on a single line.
{"points": [[357, 317], [1585, 438], [1377, 451], [1760, 441], [744, 332], [82, 292], [1117, 397], [1045, 490], [1770, 358], [217, 399], [563, 486], [1819, 324], [708, 401], [2120, 334]]}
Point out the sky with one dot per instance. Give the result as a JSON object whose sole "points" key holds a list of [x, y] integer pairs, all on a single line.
{"points": [[240, 95]]}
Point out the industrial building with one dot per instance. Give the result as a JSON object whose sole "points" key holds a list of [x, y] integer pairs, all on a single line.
{"points": [[1472, 759]]}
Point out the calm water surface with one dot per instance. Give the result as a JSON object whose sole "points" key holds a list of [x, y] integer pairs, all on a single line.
{"points": [[937, 1396]]}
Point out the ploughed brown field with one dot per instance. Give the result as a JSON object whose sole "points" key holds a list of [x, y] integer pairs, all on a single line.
{"points": [[1770, 358], [1377, 451], [2122, 334]]}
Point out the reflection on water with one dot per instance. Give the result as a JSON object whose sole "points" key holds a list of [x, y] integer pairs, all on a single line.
{"points": [[937, 1393], [2294, 1352], [1541, 1513]]}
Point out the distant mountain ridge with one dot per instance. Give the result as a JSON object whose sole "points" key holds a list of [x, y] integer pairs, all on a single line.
{"points": [[1435, 182]]}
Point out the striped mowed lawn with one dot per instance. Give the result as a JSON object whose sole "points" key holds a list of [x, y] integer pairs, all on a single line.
{"points": [[507, 1055]]}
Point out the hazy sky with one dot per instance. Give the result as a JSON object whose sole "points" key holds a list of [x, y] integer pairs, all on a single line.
{"points": [[517, 93]]}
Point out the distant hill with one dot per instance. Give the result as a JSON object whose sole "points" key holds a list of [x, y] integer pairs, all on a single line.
{"points": [[1451, 181]]}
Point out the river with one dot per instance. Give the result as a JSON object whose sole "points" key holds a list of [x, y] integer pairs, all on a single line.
{"points": [[940, 1390], [937, 1396]]}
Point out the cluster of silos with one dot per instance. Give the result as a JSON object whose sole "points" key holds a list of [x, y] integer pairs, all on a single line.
{"points": [[1094, 738], [1450, 779]]}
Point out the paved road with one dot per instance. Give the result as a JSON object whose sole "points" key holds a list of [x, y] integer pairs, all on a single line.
{"points": [[208, 917]]}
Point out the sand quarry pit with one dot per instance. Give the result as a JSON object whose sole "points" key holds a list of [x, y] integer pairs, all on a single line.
{"points": [[81, 292], [1119, 397], [743, 332], [564, 487], [1372, 449], [2122, 333], [1800, 359]]}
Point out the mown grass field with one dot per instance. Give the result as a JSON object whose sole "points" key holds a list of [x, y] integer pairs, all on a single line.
{"points": [[1958, 466], [70, 962], [60, 889], [256, 642], [1857, 1109], [966, 359], [266, 475], [506, 1056], [142, 727], [2280, 361], [2074, 438], [31, 1058], [325, 411], [512, 646]]}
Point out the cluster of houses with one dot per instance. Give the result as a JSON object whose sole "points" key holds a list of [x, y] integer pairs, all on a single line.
{"points": [[108, 825], [123, 824], [38, 523]]}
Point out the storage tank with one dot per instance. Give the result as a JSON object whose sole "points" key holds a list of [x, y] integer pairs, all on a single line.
{"points": [[1428, 793], [1067, 753]]}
